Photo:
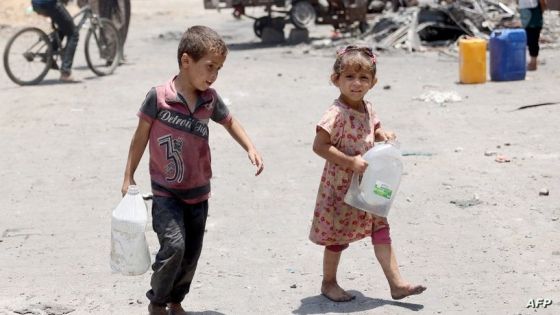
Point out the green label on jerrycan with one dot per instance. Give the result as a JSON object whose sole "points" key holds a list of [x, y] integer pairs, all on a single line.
{"points": [[383, 190]]}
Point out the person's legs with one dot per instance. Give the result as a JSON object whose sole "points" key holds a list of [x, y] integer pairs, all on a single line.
{"points": [[329, 286], [195, 222], [384, 253], [167, 214], [533, 34], [67, 28]]}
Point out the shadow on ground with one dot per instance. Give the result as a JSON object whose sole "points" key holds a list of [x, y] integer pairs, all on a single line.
{"points": [[321, 305]]}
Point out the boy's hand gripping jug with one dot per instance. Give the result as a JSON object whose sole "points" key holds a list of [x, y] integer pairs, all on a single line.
{"points": [[378, 186], [129, 249]]}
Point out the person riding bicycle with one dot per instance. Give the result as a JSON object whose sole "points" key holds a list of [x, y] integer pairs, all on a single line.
{"points": [[66, 28]]}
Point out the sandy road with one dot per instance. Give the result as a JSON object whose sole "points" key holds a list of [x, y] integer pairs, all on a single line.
{"points": [[64, 149]]}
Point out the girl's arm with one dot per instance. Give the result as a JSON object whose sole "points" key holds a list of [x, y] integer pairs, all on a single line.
{"points": [[324, 148], [238, 133], [137, 147]]}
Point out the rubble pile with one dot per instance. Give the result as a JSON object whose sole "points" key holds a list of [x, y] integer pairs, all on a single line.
{"points": [[442, 24]]}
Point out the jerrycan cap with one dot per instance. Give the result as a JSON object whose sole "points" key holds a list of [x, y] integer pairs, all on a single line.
{"points": [[133, 190]]}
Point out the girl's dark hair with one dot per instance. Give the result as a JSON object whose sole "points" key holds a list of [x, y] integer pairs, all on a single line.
{"points": [[355, 57], [199, 40]]}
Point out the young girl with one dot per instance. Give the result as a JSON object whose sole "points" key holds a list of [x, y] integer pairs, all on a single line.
{"points": [[345, 132]]}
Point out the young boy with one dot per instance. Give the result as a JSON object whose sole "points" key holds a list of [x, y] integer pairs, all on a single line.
{"points": [[174, 119]]}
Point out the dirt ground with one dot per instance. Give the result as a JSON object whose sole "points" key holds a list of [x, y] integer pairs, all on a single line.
{"points": [[64, 150]]}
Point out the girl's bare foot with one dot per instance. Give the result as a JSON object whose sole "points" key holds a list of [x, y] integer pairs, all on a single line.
{"points": [[333, 292], [176, 309], [401, 292], [532, 65]]}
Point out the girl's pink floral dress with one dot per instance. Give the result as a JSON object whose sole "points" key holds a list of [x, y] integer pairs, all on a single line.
{"points": [[335, 222]]}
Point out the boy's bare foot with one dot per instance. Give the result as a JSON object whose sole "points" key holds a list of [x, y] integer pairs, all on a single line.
{"points": [[176, 309], [333, 292], [406, 290], [156, 309], [68, 78]]}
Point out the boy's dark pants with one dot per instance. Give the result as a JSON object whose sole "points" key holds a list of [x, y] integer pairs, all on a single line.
{"points": [[180, 230], [66, 27]]}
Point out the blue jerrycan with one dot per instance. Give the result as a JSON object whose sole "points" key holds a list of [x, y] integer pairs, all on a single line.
{"points": [[507, 54]]}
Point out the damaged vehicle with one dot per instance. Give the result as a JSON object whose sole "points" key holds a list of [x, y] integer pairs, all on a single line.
{"points": [[343, 15]]}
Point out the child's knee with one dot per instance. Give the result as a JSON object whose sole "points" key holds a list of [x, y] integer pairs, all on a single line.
{"points": [[381, 236], [337, 248]]}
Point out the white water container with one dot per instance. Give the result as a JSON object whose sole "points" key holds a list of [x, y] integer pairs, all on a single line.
{"points": [[130, 254], [379, 183]]}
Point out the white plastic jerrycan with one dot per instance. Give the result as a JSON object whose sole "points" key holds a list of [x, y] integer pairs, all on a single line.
{"points": [[377, 189], [130, 254]]}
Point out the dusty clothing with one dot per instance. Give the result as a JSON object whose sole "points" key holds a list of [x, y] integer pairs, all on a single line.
{"points": [[179, 150], [335, 222], [180, 231]]}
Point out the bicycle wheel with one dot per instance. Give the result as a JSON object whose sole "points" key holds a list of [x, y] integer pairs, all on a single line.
{"points": [[28, 56], [102, 45], [118, 11]]}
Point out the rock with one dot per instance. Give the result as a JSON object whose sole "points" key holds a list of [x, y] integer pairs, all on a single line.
{"points": [[459, 149], [298, 36], [543, 192], [293, 286], [490, 153]]}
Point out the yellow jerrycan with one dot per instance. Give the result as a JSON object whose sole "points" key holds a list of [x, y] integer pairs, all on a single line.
{"points": [[472, 60]]}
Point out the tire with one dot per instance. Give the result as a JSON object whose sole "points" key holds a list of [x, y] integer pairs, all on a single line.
{"points": [[118, 11], [260, 24], [103, 47], [28, 56], [302, 14]]}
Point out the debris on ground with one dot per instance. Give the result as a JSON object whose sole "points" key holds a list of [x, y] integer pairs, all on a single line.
{"points": [[502, 159], [439, 97], [441, 23], [416, 153], [466, 203], [48, 309], [537, 105]]}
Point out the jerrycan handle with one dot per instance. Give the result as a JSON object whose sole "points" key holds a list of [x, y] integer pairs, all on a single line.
{"points": [[133, 190], [394, 142], [355, 182]]}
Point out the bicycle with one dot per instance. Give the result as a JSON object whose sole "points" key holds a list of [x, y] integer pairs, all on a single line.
{"points": [[31, 53]]}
